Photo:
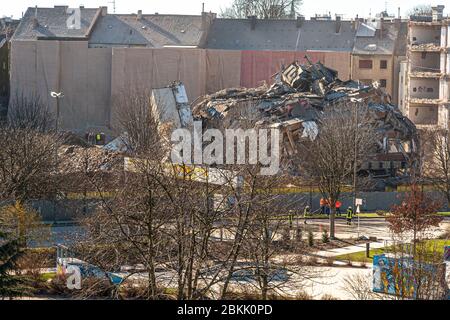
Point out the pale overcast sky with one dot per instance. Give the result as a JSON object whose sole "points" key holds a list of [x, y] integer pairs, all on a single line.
{"points": [[350, 8]]}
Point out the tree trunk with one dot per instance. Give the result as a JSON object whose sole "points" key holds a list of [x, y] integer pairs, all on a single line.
{"points": [[332, 223]]}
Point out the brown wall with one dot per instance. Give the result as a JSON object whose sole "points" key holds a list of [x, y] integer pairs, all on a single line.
{"points": [[376, 74], [90, 78], [82, 74]]}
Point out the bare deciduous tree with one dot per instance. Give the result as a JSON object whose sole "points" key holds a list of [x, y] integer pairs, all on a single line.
{"points": [[417, 214], [420, 10], [30, 113], [345, 141], [263, 9], [436, 162]]}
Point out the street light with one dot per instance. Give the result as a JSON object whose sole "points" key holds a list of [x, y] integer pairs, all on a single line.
{"points": [[57, 96]]}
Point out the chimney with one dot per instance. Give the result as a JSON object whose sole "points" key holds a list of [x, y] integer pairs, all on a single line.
{"points": [[398, 15], [104, 11], [381, 31], [438, 12], [81, 7], [34, 20], [203, 7], [338, 24], [252, 22], [300, 21], [139, 15]]}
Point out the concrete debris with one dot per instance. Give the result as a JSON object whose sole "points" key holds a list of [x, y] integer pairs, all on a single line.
{"points": [[295, 102], [76, 159], [426, 47], [171, 105], [119, 144]]}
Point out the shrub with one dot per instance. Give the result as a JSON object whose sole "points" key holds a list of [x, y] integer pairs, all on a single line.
{"points": [[299, 234], [303, 296], [381, 213], [325, 236], [312, 261], [310, 238], [329, 261]]}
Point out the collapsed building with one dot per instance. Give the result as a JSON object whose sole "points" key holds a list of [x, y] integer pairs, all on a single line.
{"points": [[295, 103]]}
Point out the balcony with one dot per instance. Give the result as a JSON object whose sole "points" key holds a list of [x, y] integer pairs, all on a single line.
{"points": [[425, 74], [427, 101], [426, 47]]}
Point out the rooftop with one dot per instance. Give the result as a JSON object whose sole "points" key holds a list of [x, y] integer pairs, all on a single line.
{"points": [[248, 34], [382, 40], [148, 30], [48, 23]]}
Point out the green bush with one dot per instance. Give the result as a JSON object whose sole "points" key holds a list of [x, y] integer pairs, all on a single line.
{"points": [[381, 213], [325, 236], [310, 238]]}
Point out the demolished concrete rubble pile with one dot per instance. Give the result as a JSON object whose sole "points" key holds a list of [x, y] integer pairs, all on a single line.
{"points": [[74, 159], [295, 102]]}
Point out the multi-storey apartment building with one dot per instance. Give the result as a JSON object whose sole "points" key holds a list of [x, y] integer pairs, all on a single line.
{"points": [[424, 77], [380, 44]]}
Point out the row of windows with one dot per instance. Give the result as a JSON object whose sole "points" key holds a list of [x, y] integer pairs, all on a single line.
{"points": [[368, 64]]}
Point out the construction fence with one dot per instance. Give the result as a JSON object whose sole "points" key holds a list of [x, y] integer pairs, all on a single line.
{"points": [[90, 78]]}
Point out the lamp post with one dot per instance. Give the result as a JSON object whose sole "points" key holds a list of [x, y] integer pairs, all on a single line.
{"points": [[57, 96]]}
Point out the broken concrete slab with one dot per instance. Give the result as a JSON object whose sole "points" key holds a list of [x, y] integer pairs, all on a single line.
{"points": [[295, 103]]}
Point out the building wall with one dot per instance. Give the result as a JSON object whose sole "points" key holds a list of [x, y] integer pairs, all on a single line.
{"points": [[81, 73], [396, 79], [376, 73], [424, 88], [90, 78], [4, 70], [433, 87], [424, 114], [424, 34], [426, 62], [4, 79], [403, 87]]}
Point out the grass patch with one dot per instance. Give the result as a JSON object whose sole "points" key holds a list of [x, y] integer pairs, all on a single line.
{"points": [[323, 216], [432, 246], [444, 214], [48, 276], [360, 256], [342, 216]]}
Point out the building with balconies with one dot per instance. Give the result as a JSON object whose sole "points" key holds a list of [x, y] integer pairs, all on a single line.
{"points": [[424, 76]]}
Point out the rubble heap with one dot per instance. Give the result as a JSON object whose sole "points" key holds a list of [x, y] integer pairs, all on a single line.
{"points": [[296, 101], [75, 159]]}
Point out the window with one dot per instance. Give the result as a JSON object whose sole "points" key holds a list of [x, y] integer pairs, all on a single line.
{"points": [[365, 64], [383, 64], [367, 82], [430, 90], [424, 55], [383, 83]]}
